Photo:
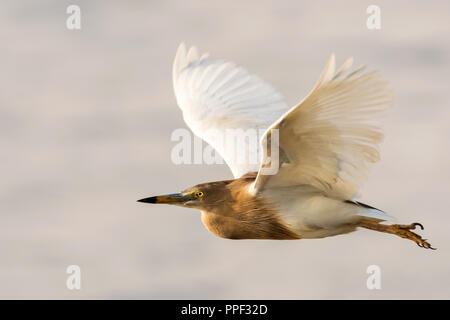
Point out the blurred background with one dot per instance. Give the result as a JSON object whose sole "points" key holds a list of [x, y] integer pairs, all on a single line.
{"points": [[85, 123]]}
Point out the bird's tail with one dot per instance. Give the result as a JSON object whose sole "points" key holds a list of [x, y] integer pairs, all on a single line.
{"points": [[371, 212]]}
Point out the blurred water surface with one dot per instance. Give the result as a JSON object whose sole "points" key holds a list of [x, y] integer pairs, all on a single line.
{"points": [[85, 124]]}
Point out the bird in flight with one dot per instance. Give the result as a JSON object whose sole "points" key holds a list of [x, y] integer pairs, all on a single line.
{"points": [[320, 149]]}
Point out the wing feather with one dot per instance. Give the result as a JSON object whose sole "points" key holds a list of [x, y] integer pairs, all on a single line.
{"points": [[328, 139], [216, 96]]}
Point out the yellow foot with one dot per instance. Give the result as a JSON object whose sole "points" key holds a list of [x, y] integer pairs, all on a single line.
{"points": [[403, 230]]}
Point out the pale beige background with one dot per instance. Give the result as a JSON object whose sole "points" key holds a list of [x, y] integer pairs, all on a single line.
{"points": [[85, 124]]}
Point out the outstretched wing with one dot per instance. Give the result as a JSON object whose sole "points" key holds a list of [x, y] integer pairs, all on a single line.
{"points": [[328, 139], [219, 100]]}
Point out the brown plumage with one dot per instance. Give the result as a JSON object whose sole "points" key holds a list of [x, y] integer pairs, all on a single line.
{"points": [[231, 212]]}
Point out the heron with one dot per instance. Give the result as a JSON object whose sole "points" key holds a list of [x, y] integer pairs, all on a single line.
{"points": [[325, 145]]}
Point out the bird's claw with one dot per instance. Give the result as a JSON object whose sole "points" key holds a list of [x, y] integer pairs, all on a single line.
{"points": [[404, 232], [411, 226], [424, 244], [417, 224]]}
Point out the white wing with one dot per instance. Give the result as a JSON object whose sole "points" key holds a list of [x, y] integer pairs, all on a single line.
{"points": [[216, 97], [327, 140]]}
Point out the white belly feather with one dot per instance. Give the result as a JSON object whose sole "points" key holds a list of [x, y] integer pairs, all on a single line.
{"points": [[310, 214]]}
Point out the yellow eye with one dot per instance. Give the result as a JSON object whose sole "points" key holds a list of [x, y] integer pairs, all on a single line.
{"points": [[199, 194]]}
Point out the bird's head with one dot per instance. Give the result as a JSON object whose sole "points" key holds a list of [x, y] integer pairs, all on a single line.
{"points": [[201, 196]]}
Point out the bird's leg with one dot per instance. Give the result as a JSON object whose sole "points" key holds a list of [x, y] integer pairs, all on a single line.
{"points": [[401, 230]]}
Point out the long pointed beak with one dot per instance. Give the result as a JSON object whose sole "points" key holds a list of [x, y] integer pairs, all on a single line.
{"points": [[174, 198]]}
